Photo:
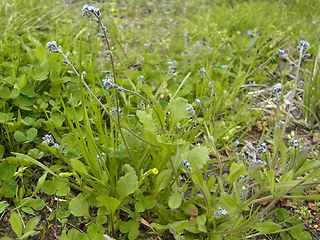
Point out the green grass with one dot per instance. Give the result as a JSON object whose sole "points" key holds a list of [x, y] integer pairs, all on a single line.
{"points": [[185, 144]]}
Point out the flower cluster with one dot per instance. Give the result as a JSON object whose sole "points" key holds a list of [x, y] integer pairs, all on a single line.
{"points": [[172, 68], [304, 45], [262, 148], [202, 70], [196, 102], [52, 46], [100, 157], [48, 139], [191, 110], [108, 83], [187, 165], [217, 214], [90, 12], [280, 124], [294, 142]]}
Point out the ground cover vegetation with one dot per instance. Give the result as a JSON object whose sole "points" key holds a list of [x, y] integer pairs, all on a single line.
{"points": [[159, 119]]}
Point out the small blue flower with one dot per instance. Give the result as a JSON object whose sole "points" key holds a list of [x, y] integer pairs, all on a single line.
{"points": [[52, 46], [197, 102], [280, 52], [237, 142], [304, 45], [191, 110], [243, 188], [141, 78], [224, 212], [146, 45], [202, 70], [224, 66], [294, 142], [186, 163], [56, 145], [262, 148], [280, 124], [210, 48]]}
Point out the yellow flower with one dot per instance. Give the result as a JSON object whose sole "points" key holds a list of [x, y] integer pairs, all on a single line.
{"points": [[155, 171]]}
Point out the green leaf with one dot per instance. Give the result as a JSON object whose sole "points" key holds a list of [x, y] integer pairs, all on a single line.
{"points": [[6, 171], [32, 160], [49, 187], [19, 136], [307, 166], [175, 200], [78, 166], [160, 115], [16, 224], [3, 205], [110, 203], [147, 120], [178, 110], [40, 73], [31, 134], [127, 185], [298, 234], [162, 180], [236, 170], [1, 151], [198, 157], [131, 227], [267, 227], [271, 181], [9, 188], [32, 224], [79, 206]]}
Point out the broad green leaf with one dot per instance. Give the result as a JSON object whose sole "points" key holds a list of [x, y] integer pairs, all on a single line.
{"points": [[175, 200], [16, 224], [178, 110], [78, 166], [178, 226], [267, 227], [236, 170], [127, 185], [19, 136], [162, 180], [9, 188], [40, 73], [79, 206], [299, 234], [3, 205], [31, 224], [131, 227], [6, 171], [307, 166], [49, 187], [229, 202], [5, 92], [31, 134], [190, 209], [147, 120], [6, 117], [110, 203], [198, 157], [28, 91]]}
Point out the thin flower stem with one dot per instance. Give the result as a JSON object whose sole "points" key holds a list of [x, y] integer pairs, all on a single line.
{"points": [[294, 93]]}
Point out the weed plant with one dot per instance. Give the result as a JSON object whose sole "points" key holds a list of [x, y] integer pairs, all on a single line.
{"points": [[159, 120]]}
